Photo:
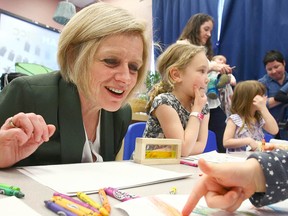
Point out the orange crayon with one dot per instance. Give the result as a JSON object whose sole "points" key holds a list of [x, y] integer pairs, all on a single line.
{"points": [[263, 145], [104, 199], [85, 198]]}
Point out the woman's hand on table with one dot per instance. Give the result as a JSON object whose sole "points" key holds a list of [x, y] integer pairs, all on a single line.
{"points": [[21, 135]]}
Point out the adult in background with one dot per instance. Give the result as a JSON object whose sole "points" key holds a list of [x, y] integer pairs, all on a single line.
{"points": [[102, 54], [274, 80], [198, 32]]}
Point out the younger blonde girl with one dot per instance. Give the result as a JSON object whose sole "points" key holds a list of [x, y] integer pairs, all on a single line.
{"points": [[249, 117]]}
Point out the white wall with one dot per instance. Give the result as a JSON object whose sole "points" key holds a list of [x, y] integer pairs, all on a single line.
{"points": [[140, 8]]}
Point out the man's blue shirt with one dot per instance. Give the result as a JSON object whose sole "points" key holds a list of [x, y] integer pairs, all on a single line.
{"points": [[273, 87]]}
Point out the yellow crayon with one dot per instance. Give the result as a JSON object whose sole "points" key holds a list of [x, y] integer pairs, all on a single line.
{"points": [[73, 207], [104, 199], [85, 198]]}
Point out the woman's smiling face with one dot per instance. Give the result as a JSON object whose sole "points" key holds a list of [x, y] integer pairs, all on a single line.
{"points": [[115, 70]]}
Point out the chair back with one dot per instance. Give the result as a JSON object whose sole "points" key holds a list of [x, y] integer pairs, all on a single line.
{"points": [[8, 77], [134, 130], [268, 136], [211, 144]]}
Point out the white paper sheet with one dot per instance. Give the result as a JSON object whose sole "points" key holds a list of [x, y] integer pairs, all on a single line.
{"points": [[216, 157], [13, 206], [278, 141], [144, 206], [89, 177]]}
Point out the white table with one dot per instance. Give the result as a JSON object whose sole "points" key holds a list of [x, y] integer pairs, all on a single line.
{"points": [[36, 193]]}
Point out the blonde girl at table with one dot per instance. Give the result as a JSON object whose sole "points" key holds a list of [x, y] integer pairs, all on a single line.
{"points": [[198, 31], [244, 128], [178, 104]]}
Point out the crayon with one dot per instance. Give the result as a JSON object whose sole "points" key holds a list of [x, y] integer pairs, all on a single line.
{"points": [[104, 199], [263, 145], [10, 192], [75, 201], [59, 210], [8, 186], [73, 207], [119, 195], [85, 198], [189, 163]]}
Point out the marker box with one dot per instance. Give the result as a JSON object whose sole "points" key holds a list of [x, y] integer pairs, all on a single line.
{"points": [[157, 151]]}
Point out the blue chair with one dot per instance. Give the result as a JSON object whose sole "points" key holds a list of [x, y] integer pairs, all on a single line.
{"points": [[134, 130], [211, 142], [268, 136]]}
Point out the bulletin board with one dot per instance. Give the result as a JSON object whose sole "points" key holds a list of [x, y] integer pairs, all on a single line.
{"points": [[23, 40]]}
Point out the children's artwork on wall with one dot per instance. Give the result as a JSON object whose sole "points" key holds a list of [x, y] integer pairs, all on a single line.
{"points": [[23, 40]]}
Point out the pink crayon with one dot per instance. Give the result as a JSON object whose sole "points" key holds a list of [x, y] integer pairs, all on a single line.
{"points": [[119, 195]]}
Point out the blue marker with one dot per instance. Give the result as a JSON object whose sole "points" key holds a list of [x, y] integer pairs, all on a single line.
{"points": [[58, 209]]}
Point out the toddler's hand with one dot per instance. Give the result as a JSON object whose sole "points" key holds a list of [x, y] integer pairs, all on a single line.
{"points": [[269, 147]]}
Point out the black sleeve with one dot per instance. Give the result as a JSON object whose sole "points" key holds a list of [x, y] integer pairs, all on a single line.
{"points": [[275, 169], [281, 97]]}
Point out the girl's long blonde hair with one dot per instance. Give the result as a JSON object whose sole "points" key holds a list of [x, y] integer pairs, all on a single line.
{"points": [[177, 55], [242, 100]]}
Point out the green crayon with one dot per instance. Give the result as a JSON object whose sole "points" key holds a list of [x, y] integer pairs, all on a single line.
{"points": [[10, 192], [8, 186]]}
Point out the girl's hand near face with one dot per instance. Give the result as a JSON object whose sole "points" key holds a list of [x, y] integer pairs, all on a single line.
{"points": [[200, 99], [260, 102], [271, 125]]}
